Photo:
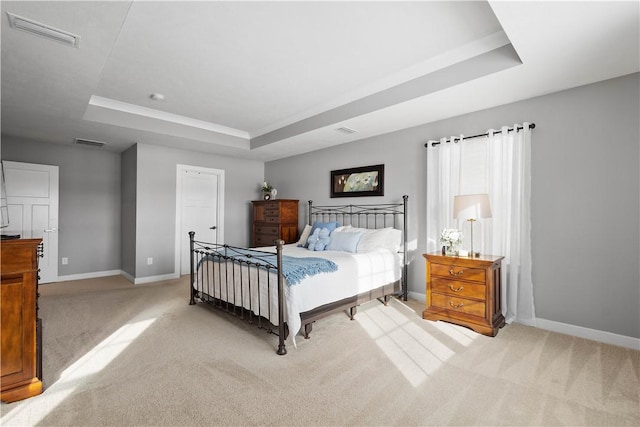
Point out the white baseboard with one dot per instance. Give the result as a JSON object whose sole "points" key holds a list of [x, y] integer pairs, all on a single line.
{"points": [[565, 328], [135, 281], [129, 277], [590, 334], [142, 280], [92, 275], [417, 296]]}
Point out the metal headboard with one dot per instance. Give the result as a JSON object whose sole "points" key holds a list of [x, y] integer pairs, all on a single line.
{"points": [[369, 216]]}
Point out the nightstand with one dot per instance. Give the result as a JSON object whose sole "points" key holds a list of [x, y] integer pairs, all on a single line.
{"points": [[465, 291]]}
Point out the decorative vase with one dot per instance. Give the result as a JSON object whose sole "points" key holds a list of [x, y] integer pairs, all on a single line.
{"points": [[266, 195], [451, 250], [273, 193]]}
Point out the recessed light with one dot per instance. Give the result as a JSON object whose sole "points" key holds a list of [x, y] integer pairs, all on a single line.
{"points": [[157, 96]]}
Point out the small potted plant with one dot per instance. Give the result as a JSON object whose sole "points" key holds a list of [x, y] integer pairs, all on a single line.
{"points": [[268, 192]]}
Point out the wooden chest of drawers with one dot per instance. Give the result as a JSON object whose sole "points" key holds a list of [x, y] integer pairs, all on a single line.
{"points": [[274, 219], [20, 351], [465, 291]]}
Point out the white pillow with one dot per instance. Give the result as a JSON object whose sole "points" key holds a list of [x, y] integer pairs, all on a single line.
{"points": [[381, 238], [344, 241], [342, 228], [305, 235], [350, 229]]}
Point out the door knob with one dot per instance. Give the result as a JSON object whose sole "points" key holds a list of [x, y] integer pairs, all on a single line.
{"points": [[212, 228], [50, 230]]}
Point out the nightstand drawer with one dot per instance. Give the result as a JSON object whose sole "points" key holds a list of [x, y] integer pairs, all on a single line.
{"points": [[268, 230], [462, 305], [458, 288], [458, 272]]}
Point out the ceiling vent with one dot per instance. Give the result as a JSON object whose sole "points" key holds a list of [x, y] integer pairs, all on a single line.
{"points": [[43, 30], [88, 142], [346, 130]]}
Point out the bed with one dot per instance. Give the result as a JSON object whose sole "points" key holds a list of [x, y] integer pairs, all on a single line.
{"points": [[284, 289]]}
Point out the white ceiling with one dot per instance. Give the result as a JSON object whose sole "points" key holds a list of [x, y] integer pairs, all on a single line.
{"points": [[266, 80]]}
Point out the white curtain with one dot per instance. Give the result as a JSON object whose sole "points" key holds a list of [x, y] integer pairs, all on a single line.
{"points": [[508, 232], [443, 164]]}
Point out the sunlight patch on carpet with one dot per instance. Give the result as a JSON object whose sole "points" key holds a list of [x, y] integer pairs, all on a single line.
{"points": [[415, 352], [35, 409], [460, 334]]}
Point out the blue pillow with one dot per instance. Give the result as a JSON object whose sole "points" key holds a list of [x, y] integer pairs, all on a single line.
{"points": [[344, 241], [328, 225]]}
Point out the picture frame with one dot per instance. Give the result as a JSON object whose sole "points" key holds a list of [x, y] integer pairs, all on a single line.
{"points": [[358, 182]]}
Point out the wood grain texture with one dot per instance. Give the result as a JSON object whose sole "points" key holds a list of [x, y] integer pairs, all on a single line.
{"points": [[465, 291], [18, 349], [274, 219]]}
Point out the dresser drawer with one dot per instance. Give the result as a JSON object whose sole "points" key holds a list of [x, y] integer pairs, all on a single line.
{"points": [[269, 230], [458, 272], [460, 305], [265, 240], [272, 219], [272, 207], [458, 288]]}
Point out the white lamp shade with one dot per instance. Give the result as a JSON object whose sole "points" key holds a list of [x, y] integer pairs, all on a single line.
{"points": [[471, 206]]}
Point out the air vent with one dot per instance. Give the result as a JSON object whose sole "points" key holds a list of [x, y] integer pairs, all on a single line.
{"points": [[88, 142], [43, 30], [346, 130]]}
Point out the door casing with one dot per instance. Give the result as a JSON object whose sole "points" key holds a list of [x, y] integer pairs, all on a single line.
{"points": [[180, 171]]}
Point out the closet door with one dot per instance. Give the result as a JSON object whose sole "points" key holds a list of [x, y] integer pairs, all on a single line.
{"points": [[32, 198], [201, 193]]}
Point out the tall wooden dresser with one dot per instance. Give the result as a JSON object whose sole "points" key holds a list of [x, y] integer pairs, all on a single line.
{"points": [[274, 219], [20, 349], [465, 291]]}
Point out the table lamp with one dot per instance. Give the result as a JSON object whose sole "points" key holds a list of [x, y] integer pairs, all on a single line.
{"points": [[471, 207]]}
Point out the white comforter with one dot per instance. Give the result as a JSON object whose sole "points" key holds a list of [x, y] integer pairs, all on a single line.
{"points": [[357, 273]]}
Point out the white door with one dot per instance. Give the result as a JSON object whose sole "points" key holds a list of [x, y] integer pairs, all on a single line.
{"points": [[32, 198], [201, 201]]}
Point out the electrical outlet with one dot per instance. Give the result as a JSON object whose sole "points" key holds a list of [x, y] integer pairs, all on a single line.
{"points": [[65, 260], [149, 261]]}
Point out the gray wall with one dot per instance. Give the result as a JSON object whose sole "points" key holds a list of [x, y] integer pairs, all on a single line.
{"points": [[128, 214], [585, 195], [156, 202], [89, 204], [118, 209]]}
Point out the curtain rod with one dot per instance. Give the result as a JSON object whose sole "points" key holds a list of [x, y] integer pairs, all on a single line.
{"points": [[453, 139]]}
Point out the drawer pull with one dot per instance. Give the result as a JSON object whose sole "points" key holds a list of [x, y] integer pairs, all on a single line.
{"points": [[451, 272], [454, 289], [455, 305]]}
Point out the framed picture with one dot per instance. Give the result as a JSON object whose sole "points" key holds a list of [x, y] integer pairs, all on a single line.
{"points": [[356, 182]]}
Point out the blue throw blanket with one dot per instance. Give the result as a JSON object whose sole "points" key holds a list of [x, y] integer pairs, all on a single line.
{"points": [[293, 269]]}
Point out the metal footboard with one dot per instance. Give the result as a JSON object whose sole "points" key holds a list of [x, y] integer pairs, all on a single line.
{"points": [[240, 281]]}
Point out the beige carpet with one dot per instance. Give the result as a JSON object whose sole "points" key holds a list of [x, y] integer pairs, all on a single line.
{"points": [[118, 354]]}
